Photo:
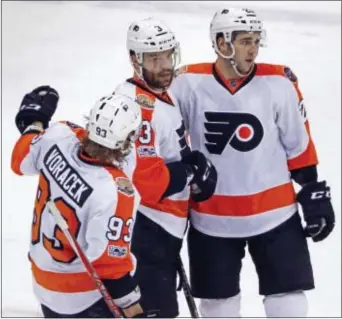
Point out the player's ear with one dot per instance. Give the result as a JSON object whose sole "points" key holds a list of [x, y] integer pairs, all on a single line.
{"points": [[134, 59], [220, 42], [223, 46]]}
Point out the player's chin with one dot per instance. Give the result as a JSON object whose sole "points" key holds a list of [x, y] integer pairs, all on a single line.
{"points": [[246, 67], [165, 81], [249, 64]]}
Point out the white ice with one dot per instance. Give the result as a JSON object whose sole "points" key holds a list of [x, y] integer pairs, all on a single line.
{"points": [[79, 48]]}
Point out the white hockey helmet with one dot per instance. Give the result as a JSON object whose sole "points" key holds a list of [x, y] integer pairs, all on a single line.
{"points": [[151, 35], [228, 20], [112, 119]]}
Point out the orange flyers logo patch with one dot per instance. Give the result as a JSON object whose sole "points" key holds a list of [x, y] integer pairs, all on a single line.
{"points": [[125, 186], [145, 101]]}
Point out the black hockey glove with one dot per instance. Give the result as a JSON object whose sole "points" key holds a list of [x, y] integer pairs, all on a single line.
{"points": [[318, 212], [38, 105], [205, 176]]}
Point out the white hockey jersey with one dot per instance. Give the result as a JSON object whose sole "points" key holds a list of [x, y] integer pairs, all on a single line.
{"points": [[254, 131], [99, 204], [162, 141]]}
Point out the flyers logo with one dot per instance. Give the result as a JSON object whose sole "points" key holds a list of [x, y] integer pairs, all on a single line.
{"points": [[302, 109], [184, 147], [242, 131]]}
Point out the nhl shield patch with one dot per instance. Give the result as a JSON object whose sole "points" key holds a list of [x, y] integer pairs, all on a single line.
{"points": [[117, 251]]}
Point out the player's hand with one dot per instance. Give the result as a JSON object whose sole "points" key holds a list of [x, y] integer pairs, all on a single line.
{"points": [[38, 105], [205, 176], [318, 212]]}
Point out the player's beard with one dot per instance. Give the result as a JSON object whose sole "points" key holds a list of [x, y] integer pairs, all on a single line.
{"points": [[160, 81]]}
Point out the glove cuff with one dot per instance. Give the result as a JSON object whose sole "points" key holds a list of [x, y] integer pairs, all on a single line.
{"points": [[313, 191], [33, 128]]}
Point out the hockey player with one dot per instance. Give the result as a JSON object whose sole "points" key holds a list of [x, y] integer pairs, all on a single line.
{"points": [[250, 120], [165, 166], [76, 171]]}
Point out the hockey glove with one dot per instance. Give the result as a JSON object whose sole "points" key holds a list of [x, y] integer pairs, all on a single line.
{"points": [[38, 105], [205, 176], [318, 212]]}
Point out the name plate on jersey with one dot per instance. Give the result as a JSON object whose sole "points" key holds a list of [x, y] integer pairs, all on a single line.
{"points": [[66, 176]]}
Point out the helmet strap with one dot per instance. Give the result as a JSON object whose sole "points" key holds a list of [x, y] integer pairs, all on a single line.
{"points": [[235, 68], [231, 59]]}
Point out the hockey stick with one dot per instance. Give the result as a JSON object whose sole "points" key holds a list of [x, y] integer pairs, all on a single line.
{"points": [[187, 290], [62, 224]]}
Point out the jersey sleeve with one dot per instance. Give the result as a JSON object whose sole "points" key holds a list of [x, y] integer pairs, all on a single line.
{"points": [[294, 127], [25, 153], [151, 176], [29, 147], [108, 235]]}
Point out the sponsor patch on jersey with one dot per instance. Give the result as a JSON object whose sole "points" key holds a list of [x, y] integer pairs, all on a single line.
{"points": [[146, 151], [117, 251], [145, 101], [290, 75], [181, 70], [124, 186]]}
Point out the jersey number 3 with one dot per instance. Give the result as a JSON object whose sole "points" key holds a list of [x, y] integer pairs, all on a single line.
{"points": [[58, 246]]}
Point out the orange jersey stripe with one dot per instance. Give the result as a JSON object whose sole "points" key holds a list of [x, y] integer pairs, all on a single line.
{"points": [[21, 149], [247, 205], [307, 158], [62, 282], [151, 176], [199, 68], [273, 69], [178, 208], [71, 282], [269, 69]]}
